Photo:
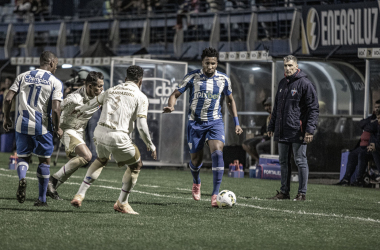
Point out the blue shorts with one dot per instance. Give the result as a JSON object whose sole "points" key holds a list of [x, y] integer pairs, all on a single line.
{"points": [[199, 132], [39, 145]]}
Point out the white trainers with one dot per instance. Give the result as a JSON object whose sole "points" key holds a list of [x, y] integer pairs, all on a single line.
{"points": [[125, 209], [77, 201]]}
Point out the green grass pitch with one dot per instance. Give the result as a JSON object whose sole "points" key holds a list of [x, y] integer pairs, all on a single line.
{"points": [[331, 217]]}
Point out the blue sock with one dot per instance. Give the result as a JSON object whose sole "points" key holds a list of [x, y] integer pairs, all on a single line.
{"points": [[43, 174], [22, 167], [195, 172], [217, 170]]}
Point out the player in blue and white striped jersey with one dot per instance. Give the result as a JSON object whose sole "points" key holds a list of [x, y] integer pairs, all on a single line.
{"points": [[206, 87], [39, 95]]}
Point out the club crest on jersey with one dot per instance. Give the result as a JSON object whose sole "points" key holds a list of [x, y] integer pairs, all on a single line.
{"points": [[293, 92], [219, 82]]}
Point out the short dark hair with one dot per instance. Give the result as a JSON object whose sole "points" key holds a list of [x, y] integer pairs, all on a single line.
{"points": [[210, 52], [134, 73], [93, 77], [377, 102], [46, 57]]}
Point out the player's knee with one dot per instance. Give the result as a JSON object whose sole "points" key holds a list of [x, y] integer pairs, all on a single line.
{"points": [[103, 161], [87, 156], [137, 166], [217, 157], [196, 162]]}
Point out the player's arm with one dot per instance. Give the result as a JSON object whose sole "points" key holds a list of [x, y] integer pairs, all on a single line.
{"points": [[70, 99], [56, 115], [7, 109], [92, 104], [171, 102], [142, 127], [233, 112]]}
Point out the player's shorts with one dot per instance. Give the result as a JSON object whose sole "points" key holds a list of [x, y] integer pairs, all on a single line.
{"points": [[71, 139], [119, 144], [199, 132], [39, 145]]}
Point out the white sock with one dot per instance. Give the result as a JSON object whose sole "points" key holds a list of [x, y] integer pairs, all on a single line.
{"points": [[129, 181], [92, 174], [68, 169]]}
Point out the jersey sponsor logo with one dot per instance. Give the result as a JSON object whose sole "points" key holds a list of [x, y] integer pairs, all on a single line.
{"points": [[205, 95], [36, 80]]}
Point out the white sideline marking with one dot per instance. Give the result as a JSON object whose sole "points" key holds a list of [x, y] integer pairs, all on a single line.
{"points": [[239, 204], [78, 177]]}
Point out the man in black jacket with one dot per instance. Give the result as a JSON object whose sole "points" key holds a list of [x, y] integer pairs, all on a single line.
{"points": [[294, 118]]}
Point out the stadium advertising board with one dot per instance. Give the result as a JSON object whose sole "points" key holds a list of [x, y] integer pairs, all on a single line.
{"points": [[344, 27]]}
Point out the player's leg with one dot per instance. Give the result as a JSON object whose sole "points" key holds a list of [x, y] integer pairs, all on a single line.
{"points": [[92, 174], [216, 149], [129, 181], [196, 136], [195, 167], [129, 156], [215, 136], [80, 156], [25, 145], [43, 150], [95, 168], [43, 174]]}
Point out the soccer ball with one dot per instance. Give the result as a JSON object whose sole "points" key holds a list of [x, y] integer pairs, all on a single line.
{"points": [[226, 199]]}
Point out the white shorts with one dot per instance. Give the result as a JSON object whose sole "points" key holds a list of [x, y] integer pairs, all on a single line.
{"points": [[109, 141], [71, 139]]}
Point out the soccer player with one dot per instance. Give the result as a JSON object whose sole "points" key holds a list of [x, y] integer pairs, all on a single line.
{"points": [[73, 130], [206, 87], [122, 105], [39, 97]]}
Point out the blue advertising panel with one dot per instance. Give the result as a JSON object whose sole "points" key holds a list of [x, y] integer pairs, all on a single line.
{"points": [[344, 27]]}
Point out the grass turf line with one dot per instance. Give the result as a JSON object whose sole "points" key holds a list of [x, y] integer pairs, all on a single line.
{"points": [[170, 219]]}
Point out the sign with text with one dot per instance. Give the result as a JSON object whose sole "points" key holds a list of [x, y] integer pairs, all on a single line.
{"points": [[344, 26]]}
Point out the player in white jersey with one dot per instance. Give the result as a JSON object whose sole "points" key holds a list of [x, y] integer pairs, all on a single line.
{"points": [[74, 129], [39, 95], [122, 105], [206, 86]]}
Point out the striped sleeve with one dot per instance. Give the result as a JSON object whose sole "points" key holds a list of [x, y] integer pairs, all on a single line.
{"points": [[227, 86], [186, 82], [16, 85], [57, 90]]}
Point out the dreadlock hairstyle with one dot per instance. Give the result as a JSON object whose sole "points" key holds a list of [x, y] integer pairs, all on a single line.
{"points": [[134, 73], [210, 52]]}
